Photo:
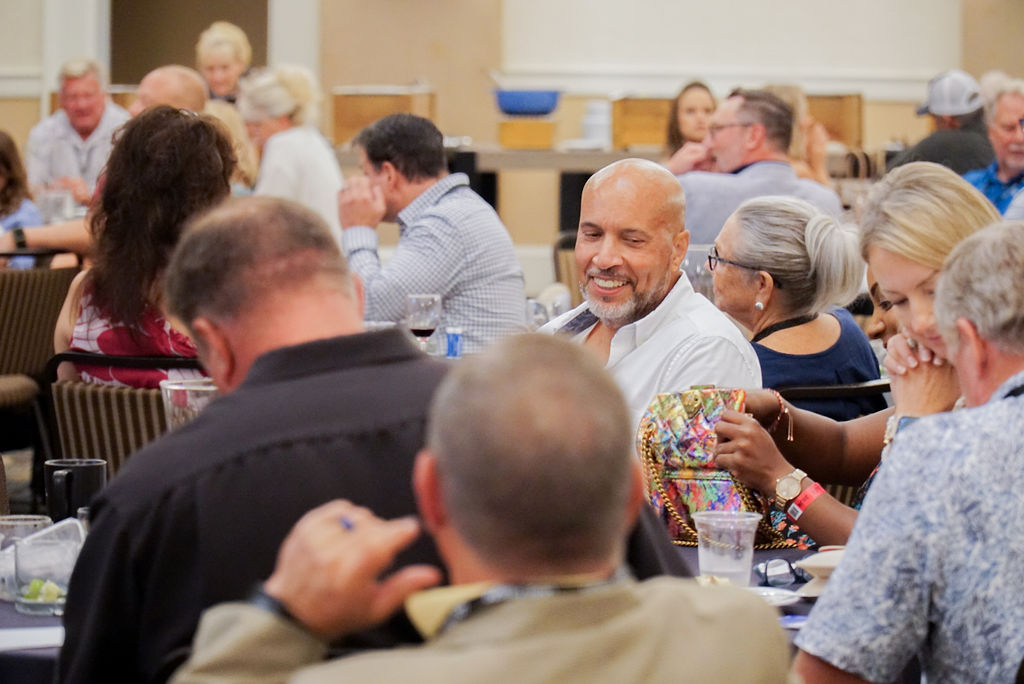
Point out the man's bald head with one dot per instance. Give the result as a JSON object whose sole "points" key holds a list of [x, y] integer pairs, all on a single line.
{"points": [[643, 177], [173, 85]]}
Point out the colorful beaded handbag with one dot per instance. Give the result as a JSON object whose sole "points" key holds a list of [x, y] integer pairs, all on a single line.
{"points": [[676, 441]]}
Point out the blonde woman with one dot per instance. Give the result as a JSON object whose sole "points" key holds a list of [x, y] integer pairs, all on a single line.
{"points": [[913, 219], [807, 151], [248, 160], [280, 107], [223, 54]]}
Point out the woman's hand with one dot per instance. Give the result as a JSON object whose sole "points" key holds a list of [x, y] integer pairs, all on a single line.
{"points": [[924, 389], [904, 353], [747, 451], [763, 405]]}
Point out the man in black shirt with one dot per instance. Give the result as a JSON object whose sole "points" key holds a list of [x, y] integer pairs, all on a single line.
{"points": [[313, 409], [960, 141]]}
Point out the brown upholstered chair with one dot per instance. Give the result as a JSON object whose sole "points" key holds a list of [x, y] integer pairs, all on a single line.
{"points": [[30, 301], [565, 265], [100, 421]]}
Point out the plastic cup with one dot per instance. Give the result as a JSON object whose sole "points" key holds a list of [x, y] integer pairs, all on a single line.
{"points": [[184, 399], [725, 544]]}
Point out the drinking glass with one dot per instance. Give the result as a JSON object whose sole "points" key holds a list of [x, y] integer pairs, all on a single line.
{"points": [[423, 316], [43, 570], [184, 399], [12, 529]]}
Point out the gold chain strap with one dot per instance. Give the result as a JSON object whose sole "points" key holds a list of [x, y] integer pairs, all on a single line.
{"points": [[654, 470], [654, 473]]}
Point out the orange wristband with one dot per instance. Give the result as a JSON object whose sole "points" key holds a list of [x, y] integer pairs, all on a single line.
{"points": [[800, 503]]}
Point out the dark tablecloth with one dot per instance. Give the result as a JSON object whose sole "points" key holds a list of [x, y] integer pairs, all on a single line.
{"points": [[28, 666]]}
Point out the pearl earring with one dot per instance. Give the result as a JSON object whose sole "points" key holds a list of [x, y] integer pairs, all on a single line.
{"points": [[759, 306]]}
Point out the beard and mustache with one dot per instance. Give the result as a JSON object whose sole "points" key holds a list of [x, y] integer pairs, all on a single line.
{"points": [[639, 304]]}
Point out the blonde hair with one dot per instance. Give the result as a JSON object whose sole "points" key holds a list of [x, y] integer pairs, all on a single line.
{"points": [[921, 211], [224, 34], [282, 91], [794, 96], [245, 152]]}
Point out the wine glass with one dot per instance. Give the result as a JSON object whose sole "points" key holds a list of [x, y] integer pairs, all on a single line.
{"points": [[423, 315]]}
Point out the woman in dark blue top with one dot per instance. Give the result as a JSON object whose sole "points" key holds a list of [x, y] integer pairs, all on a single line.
{"points": [[781, 268], [851, 359]]}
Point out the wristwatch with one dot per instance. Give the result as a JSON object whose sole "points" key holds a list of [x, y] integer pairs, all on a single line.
{"points": [[787, 488], [19, 237]]}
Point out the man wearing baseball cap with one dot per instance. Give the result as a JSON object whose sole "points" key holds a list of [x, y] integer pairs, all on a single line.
{"points": [[957, 110]]}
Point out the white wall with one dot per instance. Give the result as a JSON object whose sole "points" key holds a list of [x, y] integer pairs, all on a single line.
{"points": [[293, 33], [885, 49]]}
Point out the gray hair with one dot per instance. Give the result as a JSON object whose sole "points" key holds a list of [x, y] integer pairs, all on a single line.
{"points": [[769, 110], [284, 90], [998, 87], [981, 281], [82, 66], [534, 451], [812, 258], [230, 260]]}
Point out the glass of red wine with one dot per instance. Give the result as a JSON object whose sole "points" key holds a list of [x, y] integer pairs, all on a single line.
{"points": [[423, 315]]}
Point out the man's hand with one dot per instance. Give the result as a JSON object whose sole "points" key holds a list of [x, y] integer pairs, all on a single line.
{"points": [[747, 451], [328, 567], [360, 203], [77, 186], [690, 157]]}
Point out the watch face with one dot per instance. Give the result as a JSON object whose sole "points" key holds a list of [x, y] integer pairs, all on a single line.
{"points": [[788, 488]]}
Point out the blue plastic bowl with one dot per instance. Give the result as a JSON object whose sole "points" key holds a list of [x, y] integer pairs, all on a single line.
{"points": [[527, 102]]}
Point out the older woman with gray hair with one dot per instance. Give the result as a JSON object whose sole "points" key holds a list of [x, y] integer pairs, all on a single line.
{"points": [[782, 269], [280, 108]]}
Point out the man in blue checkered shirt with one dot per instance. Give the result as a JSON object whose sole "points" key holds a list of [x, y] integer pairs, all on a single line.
{"points": [[451, 242]]}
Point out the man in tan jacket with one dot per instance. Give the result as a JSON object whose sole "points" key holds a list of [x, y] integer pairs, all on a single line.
{"points": [[529, 486]]}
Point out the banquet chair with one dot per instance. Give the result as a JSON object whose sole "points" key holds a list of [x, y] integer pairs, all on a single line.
{"points": [[101, 421], [870, 388], [565, 265], [30, 301]]}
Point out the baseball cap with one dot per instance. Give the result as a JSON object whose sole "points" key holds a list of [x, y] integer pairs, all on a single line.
{"points": [[952, 94]]}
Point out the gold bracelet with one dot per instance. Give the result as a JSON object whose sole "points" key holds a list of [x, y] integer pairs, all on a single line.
{"points": [[783, 411]]}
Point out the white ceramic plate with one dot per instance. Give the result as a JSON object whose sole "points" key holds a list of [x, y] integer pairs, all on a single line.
{"points": [[776, 596]]}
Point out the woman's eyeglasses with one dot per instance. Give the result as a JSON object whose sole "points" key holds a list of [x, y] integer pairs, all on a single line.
{"points": [[714, 260]]}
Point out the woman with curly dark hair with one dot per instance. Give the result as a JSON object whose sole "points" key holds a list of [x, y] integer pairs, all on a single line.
{"points": [[167, 165], [16, 207]]}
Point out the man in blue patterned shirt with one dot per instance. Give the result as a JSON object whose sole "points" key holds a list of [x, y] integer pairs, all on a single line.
{"points": [[1003, 178], [935, 565], [451, 242]]}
